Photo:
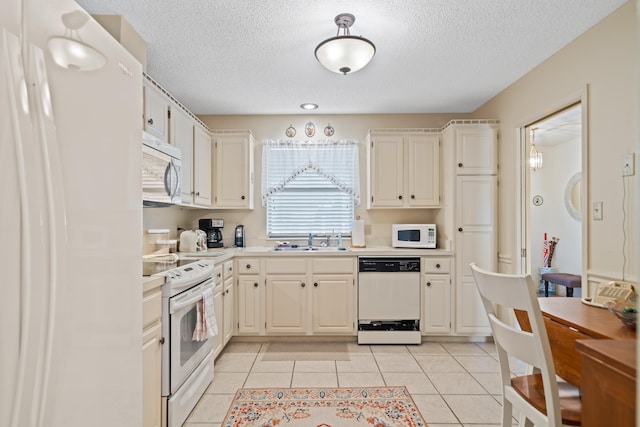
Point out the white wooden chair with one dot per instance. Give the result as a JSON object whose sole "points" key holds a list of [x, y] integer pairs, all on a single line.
{"points": [[538, 397]]}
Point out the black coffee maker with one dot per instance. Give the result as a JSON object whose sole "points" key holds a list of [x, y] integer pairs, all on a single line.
{"points": [[212, 228]]}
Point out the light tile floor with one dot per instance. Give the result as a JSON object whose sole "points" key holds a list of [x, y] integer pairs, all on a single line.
{"points": [[453, 384]]}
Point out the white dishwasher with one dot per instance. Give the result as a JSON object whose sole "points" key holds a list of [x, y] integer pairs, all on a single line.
{"points": [[389, 300]]}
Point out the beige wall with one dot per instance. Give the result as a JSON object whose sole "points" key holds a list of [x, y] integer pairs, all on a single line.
{"points": [[346, 126], [603, 63]]}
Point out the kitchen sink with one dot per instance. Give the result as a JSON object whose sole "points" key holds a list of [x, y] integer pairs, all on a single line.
{"points": [[308, 249]]}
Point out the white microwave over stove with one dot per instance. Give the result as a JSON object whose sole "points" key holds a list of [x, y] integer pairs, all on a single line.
{"points": [[413, 236]]}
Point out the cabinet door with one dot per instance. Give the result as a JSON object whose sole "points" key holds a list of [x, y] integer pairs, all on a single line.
{"points": [[233, 172], [202, 167], [156, 112], [476, 241], [386, 175], [332, 304], [286, 304], [476, 150], [249, 314], [436, 308], [228, 307], [218, 307], [151, 371], [423, 180], [182, 137]]}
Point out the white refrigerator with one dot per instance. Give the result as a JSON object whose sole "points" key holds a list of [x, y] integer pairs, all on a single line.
{"points": [[70, 220]]}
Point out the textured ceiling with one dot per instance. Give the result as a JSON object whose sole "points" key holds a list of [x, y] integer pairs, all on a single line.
{"points": [[433, 56]]}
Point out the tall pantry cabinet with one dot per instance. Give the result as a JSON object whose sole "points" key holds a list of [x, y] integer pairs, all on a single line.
{"points": [[471, 195]]}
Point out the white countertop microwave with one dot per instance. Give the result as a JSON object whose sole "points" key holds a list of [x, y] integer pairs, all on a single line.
{"points": [[413, 236]]}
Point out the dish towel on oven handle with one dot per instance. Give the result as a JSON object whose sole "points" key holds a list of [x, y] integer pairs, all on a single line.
{"points": [[206, 325]]}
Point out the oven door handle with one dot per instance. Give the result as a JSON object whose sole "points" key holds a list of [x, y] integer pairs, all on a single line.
{"points": [[183, 303]]}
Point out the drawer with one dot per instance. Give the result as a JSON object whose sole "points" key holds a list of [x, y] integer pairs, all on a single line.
{"points": [[248, 266], [436, 265], [151, 307], [333, 265], [286, 266], [227, 269], [563, 349], [217, 274]]}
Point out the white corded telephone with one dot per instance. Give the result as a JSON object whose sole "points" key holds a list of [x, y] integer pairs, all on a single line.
{"points": [[610, 292]]}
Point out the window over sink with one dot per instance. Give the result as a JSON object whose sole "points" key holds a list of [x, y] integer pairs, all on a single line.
{"points": [[310, 187]]}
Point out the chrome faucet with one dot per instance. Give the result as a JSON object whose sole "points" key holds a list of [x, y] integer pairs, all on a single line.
{"points": [[310, 241]]}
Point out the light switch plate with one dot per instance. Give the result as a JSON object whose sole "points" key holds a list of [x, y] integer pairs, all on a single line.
{"points": [[597, 211], [628, 164]]}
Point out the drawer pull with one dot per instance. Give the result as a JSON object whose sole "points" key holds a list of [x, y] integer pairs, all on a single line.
{"points": [[161, 341], [255, 285], [150, 121], [248, 266], [315, 284], [437, 265], [302, 284], [460, 165], [428, 283]]}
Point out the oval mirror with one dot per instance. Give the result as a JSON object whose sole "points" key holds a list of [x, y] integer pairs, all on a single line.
{"points": [[572, 196]]}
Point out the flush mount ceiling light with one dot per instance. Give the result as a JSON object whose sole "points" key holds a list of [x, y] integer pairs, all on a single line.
{"points": [[308, 106], [535, 158], [345, 53]]}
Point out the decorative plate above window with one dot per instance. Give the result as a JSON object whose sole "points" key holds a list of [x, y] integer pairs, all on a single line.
{"points": [[290, 132], [310, 129]]}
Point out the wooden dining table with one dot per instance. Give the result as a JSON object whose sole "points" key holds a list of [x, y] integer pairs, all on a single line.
{"points": [[568, 320]]}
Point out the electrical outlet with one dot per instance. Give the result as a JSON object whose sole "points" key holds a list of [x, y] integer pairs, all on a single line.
{"points": [[597, 211], [628, 164]]}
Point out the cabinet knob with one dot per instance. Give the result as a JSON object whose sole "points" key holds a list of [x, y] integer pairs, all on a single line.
{"points": [[248, 266], [255, 284], [460, 165], [400, 197], [315, 284], [150, 121], [428, 283], [161, 340], [302, 284], [242, 197], [437, 265], [197, 193], [460, 229], [413, 196], [219, 275]]}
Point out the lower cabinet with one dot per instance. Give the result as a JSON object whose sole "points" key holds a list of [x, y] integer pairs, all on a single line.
{"points": [[332, 308], [436, 296], [286, 304], [249, 305], [152, 357], [228, 310]]}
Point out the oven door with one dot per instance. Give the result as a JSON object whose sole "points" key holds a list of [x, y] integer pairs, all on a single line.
{"points": [[185, 354]]}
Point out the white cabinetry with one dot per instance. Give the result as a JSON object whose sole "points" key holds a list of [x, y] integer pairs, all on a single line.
{"points": [[152, 356], [286, 296], [473, 195], [332, 296], [156, 111], [227, 303], [302, 296], [436, 296], [403, 169], [218, 309], [250, 301], [169, 121], [233, 159]]}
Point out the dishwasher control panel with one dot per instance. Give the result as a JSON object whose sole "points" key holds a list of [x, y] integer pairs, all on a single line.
{"points": [[389, 264]]}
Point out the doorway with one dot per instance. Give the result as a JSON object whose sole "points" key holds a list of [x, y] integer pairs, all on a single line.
{"points": [[554, 194]]}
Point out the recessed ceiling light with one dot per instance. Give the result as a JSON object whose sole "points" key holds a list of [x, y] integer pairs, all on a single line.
{"points": [[308, 106]]}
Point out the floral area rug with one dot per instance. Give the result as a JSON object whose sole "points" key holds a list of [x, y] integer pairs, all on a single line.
{"points": [[323, 407]]}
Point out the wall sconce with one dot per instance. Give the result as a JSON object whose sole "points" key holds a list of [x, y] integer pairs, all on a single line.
{"points": [[535, 158]]}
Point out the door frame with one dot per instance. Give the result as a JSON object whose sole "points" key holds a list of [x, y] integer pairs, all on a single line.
{"points": [[523, 211]]}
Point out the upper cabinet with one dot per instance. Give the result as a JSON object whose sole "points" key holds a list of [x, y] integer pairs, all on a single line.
{"points": [[166, 119], [233, 160], [403, 169], [476, 149], [156, 111]]}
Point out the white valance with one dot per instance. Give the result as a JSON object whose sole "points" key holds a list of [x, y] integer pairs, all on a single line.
{"points": [[284, 160]]}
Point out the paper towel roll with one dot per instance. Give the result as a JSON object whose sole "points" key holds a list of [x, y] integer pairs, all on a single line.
{"points": [[357, 234]]}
